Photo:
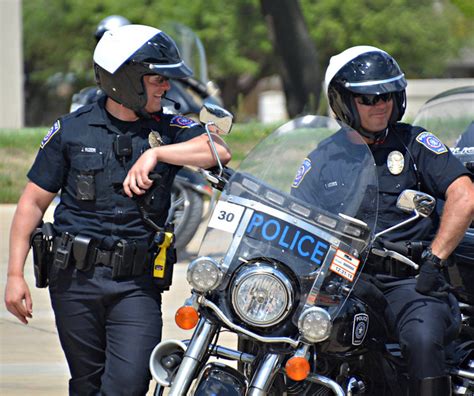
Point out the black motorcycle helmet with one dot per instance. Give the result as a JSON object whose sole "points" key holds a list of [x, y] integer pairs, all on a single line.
{"points": [[363, 70], [126, 54], [109, 23]]}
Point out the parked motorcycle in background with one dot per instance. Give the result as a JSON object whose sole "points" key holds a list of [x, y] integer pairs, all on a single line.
{"points": [[450, 116], [192, 197], [283, 276]]}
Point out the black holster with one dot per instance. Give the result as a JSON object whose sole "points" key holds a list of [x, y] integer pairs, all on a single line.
{"points": [[41, 241]]}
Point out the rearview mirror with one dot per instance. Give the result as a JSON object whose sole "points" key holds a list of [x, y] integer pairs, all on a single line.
{"points": [[415, 201], [412, 201], [217, 119]]}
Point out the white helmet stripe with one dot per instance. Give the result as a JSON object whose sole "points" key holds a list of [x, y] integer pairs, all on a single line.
{"points": [[374, 82], [162, 66], [118, 45]]}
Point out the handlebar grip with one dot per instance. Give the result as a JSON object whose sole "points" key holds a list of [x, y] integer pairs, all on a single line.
{"points": [[399, 247]]}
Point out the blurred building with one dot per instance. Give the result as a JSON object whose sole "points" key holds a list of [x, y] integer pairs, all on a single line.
{"points": [[11, 65]]}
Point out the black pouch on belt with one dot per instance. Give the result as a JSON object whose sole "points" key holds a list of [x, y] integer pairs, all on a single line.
{"points": [[122, 259], [140, 260], [41, 243], [81, 247]]}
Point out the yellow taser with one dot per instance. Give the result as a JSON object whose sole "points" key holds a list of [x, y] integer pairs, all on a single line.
{"points": [[160, 259]]}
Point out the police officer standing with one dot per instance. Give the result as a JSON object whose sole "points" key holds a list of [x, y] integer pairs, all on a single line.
{"points": [[106, 302], [366, 90]]}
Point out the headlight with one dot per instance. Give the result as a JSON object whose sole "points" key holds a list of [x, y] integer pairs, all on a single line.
{"points": [[315, 324], [262, 296], [204, 274]]}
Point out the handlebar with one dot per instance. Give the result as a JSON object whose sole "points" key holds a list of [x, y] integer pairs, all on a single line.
{"points": [[399, 247], [217, 180], [396, 250]]}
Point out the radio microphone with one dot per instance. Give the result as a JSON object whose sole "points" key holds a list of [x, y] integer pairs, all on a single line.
{"points": [[176, 105]]}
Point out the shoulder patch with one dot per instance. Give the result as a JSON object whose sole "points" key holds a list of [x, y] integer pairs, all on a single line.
{"points": [[52, 131], [431, 142], [182, 122], [302, 171]]}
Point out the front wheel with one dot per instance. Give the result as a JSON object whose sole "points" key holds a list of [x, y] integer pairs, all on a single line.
{"points": [[188, 213]]}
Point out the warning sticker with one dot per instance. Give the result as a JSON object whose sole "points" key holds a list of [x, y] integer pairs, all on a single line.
{"points": [[344, 265]]}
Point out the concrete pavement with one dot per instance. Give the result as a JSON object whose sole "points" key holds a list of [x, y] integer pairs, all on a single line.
{"points": [[31, 359]]}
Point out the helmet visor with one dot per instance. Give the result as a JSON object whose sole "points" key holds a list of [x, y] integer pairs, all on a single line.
{"points": [[175, 70], [376, 87]]}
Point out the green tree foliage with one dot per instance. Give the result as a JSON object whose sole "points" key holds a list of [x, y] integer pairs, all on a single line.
{"points": [[58, 39], [423, 36]]}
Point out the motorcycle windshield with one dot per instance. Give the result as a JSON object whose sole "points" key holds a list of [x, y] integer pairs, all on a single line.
{"points": [[190, 48], [303, 200], [449, 115]]}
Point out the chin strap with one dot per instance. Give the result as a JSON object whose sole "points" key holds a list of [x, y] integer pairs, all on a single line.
{"points": [[376, 137], [143, 114]]}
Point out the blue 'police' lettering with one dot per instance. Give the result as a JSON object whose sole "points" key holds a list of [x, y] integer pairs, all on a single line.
{"points": [[255, 221], [282, 242], [287, 236], [320, 249], [267, 224], [295, 239]]}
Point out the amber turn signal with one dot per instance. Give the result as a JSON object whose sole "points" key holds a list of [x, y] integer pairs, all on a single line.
{"points": [[186, 317], [297, 368]]}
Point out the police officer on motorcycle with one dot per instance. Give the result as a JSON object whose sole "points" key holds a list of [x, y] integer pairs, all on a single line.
{"points": [[102, 283], [109, 23], [366, 90]]}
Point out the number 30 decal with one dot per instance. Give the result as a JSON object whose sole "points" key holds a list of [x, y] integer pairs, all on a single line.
{"points": [[226, 216]]}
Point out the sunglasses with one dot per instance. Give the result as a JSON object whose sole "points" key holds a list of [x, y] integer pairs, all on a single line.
{"points": [[372, 100], [157, 79]]}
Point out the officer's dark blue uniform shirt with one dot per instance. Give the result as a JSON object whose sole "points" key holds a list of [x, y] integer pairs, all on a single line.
{"points": [[424, 164], [80, 146]]}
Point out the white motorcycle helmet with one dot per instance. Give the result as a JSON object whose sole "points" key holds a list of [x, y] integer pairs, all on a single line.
{"points": [[126, 54], [363, 70]]}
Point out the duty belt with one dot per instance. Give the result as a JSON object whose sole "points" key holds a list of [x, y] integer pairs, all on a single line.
{"points": [[126, 258]]}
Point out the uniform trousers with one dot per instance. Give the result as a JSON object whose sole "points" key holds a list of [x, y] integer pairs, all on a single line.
{"points": [[107, 329], [424, 326]]}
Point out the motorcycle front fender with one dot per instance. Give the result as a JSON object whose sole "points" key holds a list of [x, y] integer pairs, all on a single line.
{"points": [[219, 379]]}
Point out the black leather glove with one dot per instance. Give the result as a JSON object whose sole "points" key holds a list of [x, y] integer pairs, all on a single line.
{"points": [[431, 280]]}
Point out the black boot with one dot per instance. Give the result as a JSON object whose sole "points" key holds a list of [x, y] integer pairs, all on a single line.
{"points": [[431, 386]]}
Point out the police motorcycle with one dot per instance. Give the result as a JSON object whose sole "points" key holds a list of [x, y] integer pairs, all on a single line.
{"points": [[450, 117], [190, 188], [282, 275]]}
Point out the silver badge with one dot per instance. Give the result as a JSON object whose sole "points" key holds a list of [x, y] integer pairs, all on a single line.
{"points": [[154, 139], [395, 162]]}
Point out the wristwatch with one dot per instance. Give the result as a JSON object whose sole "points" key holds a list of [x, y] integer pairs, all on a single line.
{"points": [[428, 255]]}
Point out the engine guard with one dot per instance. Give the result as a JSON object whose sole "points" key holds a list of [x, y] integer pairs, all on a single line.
{"points": [[219, 379]]}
